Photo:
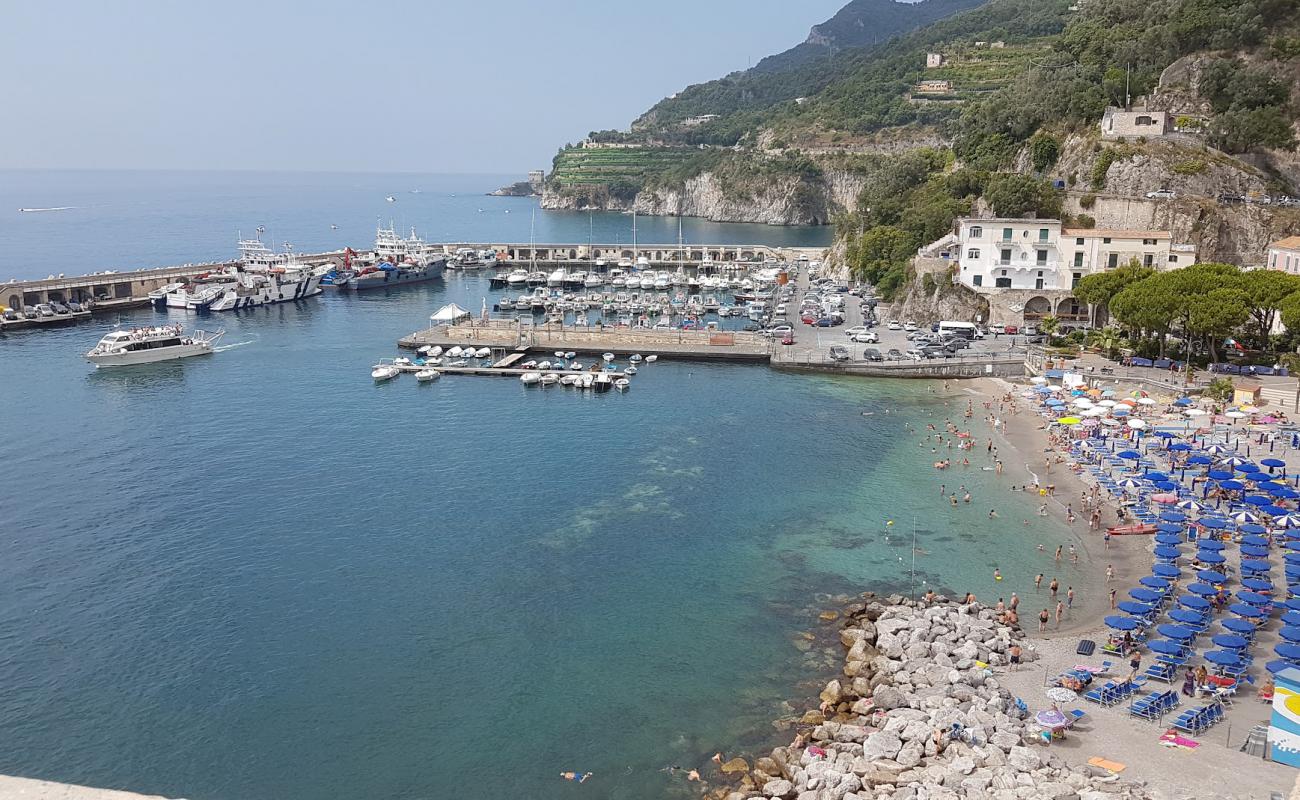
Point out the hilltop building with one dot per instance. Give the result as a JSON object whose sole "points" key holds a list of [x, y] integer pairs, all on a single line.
{"points": [[934, 87], [1284, 255], [934, 60], [1117, 122]]}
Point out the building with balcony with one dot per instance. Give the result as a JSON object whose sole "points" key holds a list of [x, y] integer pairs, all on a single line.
{"points": [[1009, 253], [1088, 250], [1284, 255]]}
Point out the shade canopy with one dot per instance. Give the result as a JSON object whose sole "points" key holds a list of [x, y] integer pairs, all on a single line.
{"points": [[1257, 584], [1231, 641], [1166, 571], [1166, 647], [1122, 623], [1187, 616], [1224, 658], [1254, 598], [1193, 602], [1211, 544], [1288, 650], [1210, 557], [1176, 632], [1152, 582], [1210, 576], [1238, 625], [1255, 566], [1213, 523], [1167, 551], [1137, 609], [1291, 618], [1247, 611], [449, 313], [1291, 633], [1144, 595], [1202, 589]]}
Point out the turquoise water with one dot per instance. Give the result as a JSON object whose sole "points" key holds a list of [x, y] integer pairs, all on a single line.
{"points": [[258, 575]]}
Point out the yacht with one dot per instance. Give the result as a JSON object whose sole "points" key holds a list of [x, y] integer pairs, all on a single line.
{"points": [[384, 371], [517, 278], [663, 282], [593, 281], [466, 258], [159, 296], [146, 345], [557, 278], [427, 374]]}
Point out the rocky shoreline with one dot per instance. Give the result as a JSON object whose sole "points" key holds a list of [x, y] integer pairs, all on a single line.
{"points": [[909, 671]]}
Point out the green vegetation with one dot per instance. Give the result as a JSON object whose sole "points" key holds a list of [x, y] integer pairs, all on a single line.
{"points": [[1012, 195]]}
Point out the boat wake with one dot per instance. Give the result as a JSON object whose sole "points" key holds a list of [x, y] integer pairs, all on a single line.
{"points": [[38, 210], [223, 348]]}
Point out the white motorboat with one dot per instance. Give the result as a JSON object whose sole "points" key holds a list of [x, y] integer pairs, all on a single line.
{"points": [[435, 351], [663, 282], [531, 378], [593, 281], [576, 367], [607, 356], [636, 358], [618, 282], [630, 371], [517, 278], [148, 345], [550, 379], [427, 375], [648, 281], [159, 296], [544, 365], [455, 352], [570, 355], [385, 370], [569, 380], [483, 352], [586, 381], [622, 384], [651, 359], [557, 278]]}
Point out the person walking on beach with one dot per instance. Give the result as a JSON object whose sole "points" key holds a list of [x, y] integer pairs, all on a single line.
{"points": [[1043, 616], [1038, 582], [1110, 573], [1135, 664], [1069, 597], [1014, 652], [1053, 587], [1096, 523]]}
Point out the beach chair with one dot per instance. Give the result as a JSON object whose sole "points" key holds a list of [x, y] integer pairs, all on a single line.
{"points": [[1162, 671], [1076, 715], [1145, 706], [1100, 694]]}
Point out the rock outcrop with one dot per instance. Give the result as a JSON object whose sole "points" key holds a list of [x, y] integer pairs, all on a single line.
{"points": [[930, 721]]}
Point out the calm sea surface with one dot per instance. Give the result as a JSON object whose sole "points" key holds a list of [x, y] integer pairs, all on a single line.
{"points": [[259, 576]]}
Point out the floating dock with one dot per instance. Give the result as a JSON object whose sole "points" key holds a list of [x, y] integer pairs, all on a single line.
{"points": [[508, 372], [515, 335]]}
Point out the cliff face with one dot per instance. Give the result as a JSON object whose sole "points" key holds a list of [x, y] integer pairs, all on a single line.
{"points": [[782, 201], [930, 294]]}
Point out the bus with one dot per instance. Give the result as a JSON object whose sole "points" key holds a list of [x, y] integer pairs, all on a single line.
{"points": [[966, 330]]}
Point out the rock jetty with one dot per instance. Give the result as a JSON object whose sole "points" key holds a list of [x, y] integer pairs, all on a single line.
{"points": [[912, 671]]}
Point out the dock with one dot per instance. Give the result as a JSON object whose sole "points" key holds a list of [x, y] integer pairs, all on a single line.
{"points": [[521, 337], [508, 372]]}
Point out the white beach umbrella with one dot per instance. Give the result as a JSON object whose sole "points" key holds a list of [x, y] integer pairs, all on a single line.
{"points": [[1137, 424], [1111, 422], [1146, 401], [1107, 403], [1039, 379], [1196, 412]]}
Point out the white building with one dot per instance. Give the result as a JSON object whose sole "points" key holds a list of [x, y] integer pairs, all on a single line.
{"points": [[1284, 255], [1041, 255]]}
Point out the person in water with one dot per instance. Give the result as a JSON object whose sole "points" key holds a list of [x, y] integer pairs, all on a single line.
{"points": [[575, 776]]}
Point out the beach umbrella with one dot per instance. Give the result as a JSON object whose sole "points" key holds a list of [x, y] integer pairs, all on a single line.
{"points": [[1254, 551], [1060, 694], [1193, 602], [1257, 584], [1210, 576], [1170, 528], [1216, 449], [1136, 609], [1268, 486], [1248, 469], [1168, 498], [1165, 551], [1183, 401], [1292, 544], [1287, 521], [1165, 647], [1210, 557], [1259, 500], [1218, 475], [1236, 415], [1231, 484], [1166, 571], [1145, 401], [1152, 582], [1248, 611], [1121, 623], [1129, 483], [1224, 658], [1129, 455], [1179, 447], [1168, 538], [1192, 505], [1203, 589], [1238, 625], [1277, 666], [1254, 598], [1274, 511], [1177, 632], [1111, 423], [1155, 476], [1137, 424], [1273, 462], [1293, 603], [1289, 651], [1233, 461], [1253, 528], [1213, 523], [1199, 460], [1286, 494], [1196, 412], [1255, 540], [1243, 517], [1051, 719], [1230, 641], [1291, 618], [1144, 595], [1255, 566], [1290, 633], [1291, 558], [1212, 545], [1173, 516], [1187, 616]]}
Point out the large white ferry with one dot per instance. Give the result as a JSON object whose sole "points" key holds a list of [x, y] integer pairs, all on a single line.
{"points": [[123, 348], [260, 278]]}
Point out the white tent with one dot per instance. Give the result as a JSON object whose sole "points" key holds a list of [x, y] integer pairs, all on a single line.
{"points": [[448, 313]]}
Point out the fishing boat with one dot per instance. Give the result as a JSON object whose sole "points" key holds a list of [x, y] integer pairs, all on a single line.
{"points": [[397, 261], [122, 348], [261, 277], [550, 379], [428, 374], [622, 384]]}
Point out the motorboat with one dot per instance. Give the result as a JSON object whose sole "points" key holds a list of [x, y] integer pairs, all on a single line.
{"points": [[122, 348], [544, 365], [159, 296], [483, 352], [586, 381], [630, 371], [427, 374], [557, 278], [576, 367], [651, 359], [384, 371], [550, 379], [517, 278], [601, 383], [455, 352], [622, 384], [569, 380], [636, 358], [570, 355], [607, 356], [531, 378], [593, 281]]}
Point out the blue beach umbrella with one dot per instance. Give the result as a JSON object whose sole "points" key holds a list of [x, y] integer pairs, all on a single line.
{"points": [[1255, 540], [1254, 551], [1290, 633], [1244, 517], [1238, 626], [1259, 500], [1210, 576], [1183, 401], [1271, 488], [1253, 529], [1152, 582], [1291, 618], [1199, 460], [1218, 475], [1212, 545], [1136, 609], [1230, 641], [1293, 603], [1129, 455], [1287, 521], [1213, 523], [1144, 595], [1289, 651], [1165, 486], [1168, 648], [1156, 476], [1172, 539], [1176, 632], [1173, 516], [1277, 666], [1248, 469], [1170, 527], [1235, 486], [1273, 511], [1292, 544], [1273, 462], [1210, 557], [1180, 447], [1291, 558], [1255, 566], [1193, 602], [1203, 589], [1122, 623], [1166, 571], [1224, 658], [1254, 598], [1187, 616], [1286, 494], [1257, 584], [1247, 611], [1165, 551]]}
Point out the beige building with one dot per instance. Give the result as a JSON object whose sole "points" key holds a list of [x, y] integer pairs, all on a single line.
{"points": [[1088, 250], [933, 60], [934, 87], [1117, 122], [1284, 255]]}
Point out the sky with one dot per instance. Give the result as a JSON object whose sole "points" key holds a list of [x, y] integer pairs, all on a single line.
{"points": [[392, 85]]}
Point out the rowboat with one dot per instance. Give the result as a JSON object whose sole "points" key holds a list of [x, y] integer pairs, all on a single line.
{"points": [[1131, 530]]}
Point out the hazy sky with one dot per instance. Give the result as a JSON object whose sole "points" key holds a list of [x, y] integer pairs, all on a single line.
{"points": [[432, 86]]}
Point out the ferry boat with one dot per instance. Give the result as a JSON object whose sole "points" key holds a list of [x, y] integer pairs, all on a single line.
{"points": [[261, 277], [147, 345]]}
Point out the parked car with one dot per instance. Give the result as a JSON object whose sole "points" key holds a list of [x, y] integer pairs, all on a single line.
{"points": [[910, 327], [30, 312], [1162, 194], [10, 314], [839, 353], [1011, 330], [957, 343], [45, 310], [872, 354], [780, 331], [856, 329], [60, 308], [979, 333], [74, 307], [788, 340], [916, 355], [826, 322], [894, 354], [894, 326], [867, 337]]}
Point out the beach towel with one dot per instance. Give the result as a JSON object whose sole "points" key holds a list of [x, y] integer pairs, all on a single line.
{"points": [[1110, 766], [1172, 739]]}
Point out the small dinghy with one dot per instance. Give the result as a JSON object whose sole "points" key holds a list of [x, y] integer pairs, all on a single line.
{"points": [[531, 378], [622, 384], [630, 371], [550, 379], [651, 359], [483, 352]]}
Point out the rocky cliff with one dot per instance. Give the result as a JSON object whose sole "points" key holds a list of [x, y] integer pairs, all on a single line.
{"points": [[781, 201], [930, 294]]}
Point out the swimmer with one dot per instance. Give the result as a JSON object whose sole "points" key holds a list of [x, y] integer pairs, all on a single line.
{"points": [[993, 514], [966, 498], [997, 574], [576, 777]]}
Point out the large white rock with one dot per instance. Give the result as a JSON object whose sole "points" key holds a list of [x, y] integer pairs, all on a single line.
{"points": [[1023, 759], [882, 744], [778, 788]]}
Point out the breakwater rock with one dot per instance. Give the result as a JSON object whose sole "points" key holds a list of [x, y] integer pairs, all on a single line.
{"points": [[885, 729]]}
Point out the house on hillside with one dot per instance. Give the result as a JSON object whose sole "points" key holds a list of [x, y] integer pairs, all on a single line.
{"points": [[934, 60], [691, 122], [1284, 255], [934, 87], [1117, 122]]}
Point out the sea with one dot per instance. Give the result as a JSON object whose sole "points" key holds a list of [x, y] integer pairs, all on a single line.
{"points": [[261, 576]]}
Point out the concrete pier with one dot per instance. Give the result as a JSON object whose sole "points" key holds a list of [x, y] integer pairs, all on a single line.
{"points": [[28, 789]]}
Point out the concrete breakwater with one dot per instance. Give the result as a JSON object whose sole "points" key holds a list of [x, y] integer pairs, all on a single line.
{"points": [[911, 672]]}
